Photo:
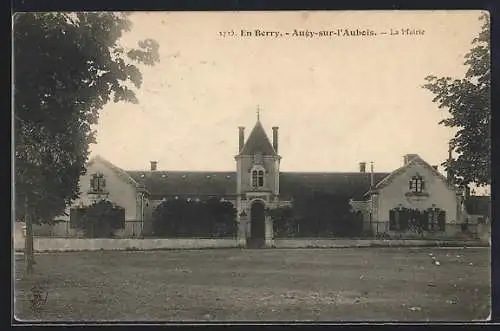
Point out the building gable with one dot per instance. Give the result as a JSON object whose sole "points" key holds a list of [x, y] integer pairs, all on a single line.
{"points": [[416, 160], [117, 170], [416, 185], [118, 186]]}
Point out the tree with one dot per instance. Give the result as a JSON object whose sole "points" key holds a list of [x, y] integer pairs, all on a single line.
{"points": [[67, 66], [468, 101], [284, 221], [317, 214]]}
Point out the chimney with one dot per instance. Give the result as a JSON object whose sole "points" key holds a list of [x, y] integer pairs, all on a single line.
{"points": [[275, 138], [241, 137], [154, 165], [362, 166], [408, 157]]}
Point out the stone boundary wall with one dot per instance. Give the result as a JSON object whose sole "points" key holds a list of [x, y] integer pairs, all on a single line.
{"points": [[343, 243], [73, 244]]}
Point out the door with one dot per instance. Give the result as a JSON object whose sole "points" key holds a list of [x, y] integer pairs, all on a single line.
{"points": [[257, 225]]}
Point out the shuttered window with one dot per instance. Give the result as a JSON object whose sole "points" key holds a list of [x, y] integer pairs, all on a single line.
{"points": [[97, 183], [393, 225], [417, 184]]}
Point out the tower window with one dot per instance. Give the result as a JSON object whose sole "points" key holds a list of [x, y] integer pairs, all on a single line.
{"points": [[257, 178]]}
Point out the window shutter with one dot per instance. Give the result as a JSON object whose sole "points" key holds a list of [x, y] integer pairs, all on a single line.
{"points": [[405, 215], [422, 185], [103, 184], [441, 220], [425, 220]]}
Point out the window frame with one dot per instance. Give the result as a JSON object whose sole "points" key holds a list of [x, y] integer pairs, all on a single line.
{"points": [[98, 183], [258, 177], [417, 184]]}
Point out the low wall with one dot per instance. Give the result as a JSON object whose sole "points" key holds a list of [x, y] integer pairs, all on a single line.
{"points": [[73, 244], [484, 232], [340, 243]]}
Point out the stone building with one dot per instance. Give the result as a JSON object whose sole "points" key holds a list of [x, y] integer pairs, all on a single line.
{"points": [[258, 184]]}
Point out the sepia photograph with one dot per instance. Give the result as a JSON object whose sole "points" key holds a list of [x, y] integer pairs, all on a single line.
{"points": [[251, 166]]}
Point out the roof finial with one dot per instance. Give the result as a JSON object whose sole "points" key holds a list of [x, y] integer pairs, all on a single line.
{"points": [[258, 113]]}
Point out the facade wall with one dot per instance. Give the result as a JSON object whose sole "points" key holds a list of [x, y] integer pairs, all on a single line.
{"points": [[247, 194], [244, 167], [439, 195], [121, 192]]}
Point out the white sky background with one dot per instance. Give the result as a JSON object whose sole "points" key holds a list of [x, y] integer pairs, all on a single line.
{"points": [[337, 101]]}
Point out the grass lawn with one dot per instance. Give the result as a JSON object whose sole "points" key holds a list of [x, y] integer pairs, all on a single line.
{"points": [[349, 284]]}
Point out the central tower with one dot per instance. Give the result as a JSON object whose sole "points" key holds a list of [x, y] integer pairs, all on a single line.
{"points": [[257, 185]]}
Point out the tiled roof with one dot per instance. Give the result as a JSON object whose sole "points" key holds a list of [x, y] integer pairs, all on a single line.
{"points": [[184, 183], [348, 184], [478, 205], [258, 142]]}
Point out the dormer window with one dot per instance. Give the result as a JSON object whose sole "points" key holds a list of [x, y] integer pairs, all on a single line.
{"points": [[258, 177], [417, 184], [97, 183]]}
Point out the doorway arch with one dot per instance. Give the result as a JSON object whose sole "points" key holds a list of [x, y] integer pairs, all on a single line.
{"points": [[257, 224]]}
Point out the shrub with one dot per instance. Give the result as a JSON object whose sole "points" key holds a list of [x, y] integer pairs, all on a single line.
{"points": [[207, 218], [99, 220]]}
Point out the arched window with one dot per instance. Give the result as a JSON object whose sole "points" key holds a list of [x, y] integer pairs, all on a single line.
{"points": [[257, 177]]}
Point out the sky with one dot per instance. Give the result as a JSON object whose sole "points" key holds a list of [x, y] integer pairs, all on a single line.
{"points": [[337, 100]]}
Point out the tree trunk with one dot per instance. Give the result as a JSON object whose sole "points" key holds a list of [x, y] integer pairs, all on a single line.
{"points": [[28, 240]]}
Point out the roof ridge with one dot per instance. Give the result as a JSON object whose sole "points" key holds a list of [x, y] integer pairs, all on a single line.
{"points": [[281, 172], [183, 171]]}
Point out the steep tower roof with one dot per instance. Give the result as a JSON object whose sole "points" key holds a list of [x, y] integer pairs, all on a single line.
{"points": [[258, 142]]}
